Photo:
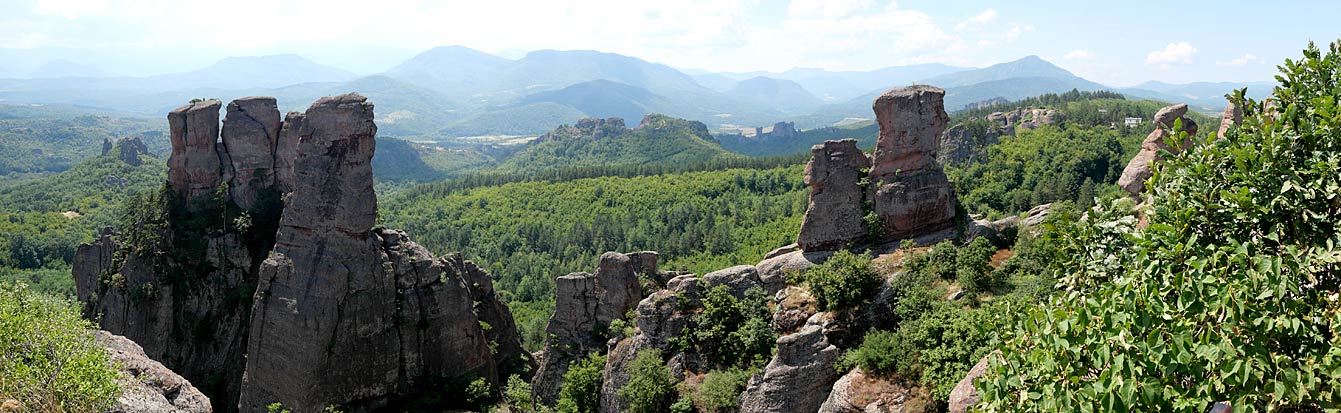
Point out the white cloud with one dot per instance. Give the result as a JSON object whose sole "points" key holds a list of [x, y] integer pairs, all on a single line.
{"points": [[826, 8], [1174, 53], [1079, 54], [1241, 60], [982, 18], [1016, 30]]}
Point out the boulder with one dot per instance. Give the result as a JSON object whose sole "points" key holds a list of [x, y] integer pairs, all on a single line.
{"points": [[193, 166], [147, 386], [250, 132], [836, 213], [965, 396], [773, 271], [1140, 168], [800, 376], [583, 304], [858, 392], [911, 195], [737, 279]]}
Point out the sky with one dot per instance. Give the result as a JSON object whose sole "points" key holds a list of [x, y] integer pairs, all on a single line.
{"points": [[1115, 43]]}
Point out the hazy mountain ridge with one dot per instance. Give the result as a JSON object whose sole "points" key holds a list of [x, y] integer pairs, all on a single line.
{"points": [[453, 91]]}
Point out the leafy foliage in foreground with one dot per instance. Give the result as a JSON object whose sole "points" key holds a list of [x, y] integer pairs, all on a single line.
{"points": [[1233, 292], [48, 359]]}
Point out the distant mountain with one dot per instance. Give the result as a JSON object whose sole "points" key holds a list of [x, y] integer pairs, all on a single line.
{"points": [[838, 86], [716, 81], [256, 72], [555, 69], [454, 70], [776, 93], [61, 68], [603, 99], [659, 139], [1026, 67], [1206, 97]]}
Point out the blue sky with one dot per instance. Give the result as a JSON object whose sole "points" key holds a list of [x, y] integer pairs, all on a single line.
{"points": [[1116, 43]]}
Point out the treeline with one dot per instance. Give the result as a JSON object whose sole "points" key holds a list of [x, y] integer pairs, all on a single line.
{"points": [[1044, 100], [564, 174]]}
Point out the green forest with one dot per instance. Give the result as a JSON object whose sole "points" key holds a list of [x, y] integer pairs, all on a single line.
{"points": [[528, 233]]}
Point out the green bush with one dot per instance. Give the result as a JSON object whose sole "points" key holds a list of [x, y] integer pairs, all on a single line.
{"points": [[934, 351], [48, 358], [582, 386], [720, 390], [845, 280], [732, 332], [651, 387], [1230, 293], [517, 395]]}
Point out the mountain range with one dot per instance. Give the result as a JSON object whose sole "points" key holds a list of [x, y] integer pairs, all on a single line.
{"points": [[454, 91]]}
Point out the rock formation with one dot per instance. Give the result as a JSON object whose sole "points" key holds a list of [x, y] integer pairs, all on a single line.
{"points": [[593, 128], [147, 386], [910, 193], [128, 150], [325, 310], [583, 304], [835, 215], [250, 134], [1140, 168], [800, 376], [659, 318], [1233, 115], [193, 166], [960, 143], [858, 392]]}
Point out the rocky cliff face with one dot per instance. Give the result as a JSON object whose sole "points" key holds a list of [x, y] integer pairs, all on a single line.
{"points": [[834, 175], [325, 310], [910, 194], [1141, 166]]}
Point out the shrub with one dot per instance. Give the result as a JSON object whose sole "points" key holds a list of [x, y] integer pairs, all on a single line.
{"points": [[733, 332], [720, 390], [48, 358], [845, 280], [880, 353], [934, 351], [582, 386], [517, 395], [650, 385]]}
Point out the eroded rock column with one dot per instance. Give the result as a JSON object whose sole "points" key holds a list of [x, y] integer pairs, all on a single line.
{"points": [[911, 194], [835, 215], [1142, 165], [193, 166], [250, 132]]}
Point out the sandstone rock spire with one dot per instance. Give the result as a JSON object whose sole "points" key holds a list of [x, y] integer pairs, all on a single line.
{"points": [[1141, 166], [835, 215], [250, 132], [910, 193], [193, 166]]}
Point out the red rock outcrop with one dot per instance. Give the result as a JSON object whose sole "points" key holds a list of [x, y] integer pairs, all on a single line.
{"points": [[911, 194]]}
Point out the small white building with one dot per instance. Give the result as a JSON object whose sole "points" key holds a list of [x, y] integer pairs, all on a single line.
{"points": [[1131, 122]]}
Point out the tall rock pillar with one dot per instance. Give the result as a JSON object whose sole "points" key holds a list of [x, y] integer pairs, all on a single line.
{"points": [[911, 194]]}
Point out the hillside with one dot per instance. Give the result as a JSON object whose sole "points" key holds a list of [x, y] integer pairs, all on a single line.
{"points": [[53, 138], [603, 99], [777, 93], [658, 139]]}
